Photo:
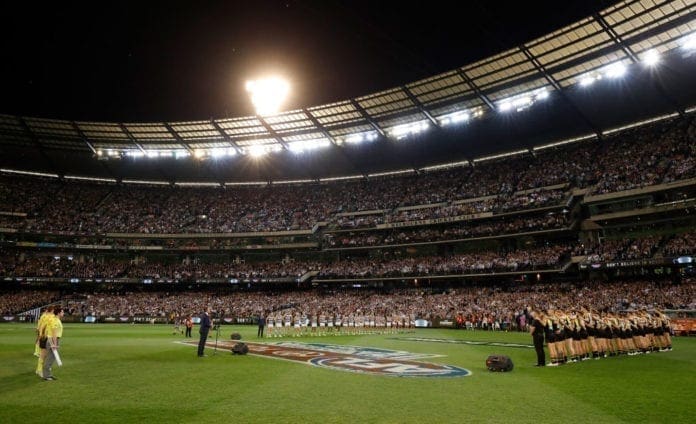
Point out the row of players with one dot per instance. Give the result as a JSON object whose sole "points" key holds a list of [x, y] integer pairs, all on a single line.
{"points": [[289, 324], [573, 336]]}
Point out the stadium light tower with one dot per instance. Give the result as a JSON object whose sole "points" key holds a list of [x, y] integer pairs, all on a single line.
{"points": [[268, 94]]}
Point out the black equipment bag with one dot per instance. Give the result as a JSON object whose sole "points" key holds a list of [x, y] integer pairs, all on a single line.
{"points": [[236, 336], [499, 363], [240, 349]]}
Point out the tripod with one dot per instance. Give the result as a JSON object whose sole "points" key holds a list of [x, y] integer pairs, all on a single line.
{"points": [[217, 335]]}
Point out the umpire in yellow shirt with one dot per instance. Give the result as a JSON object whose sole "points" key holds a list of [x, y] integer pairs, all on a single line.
{"points": [[46, 318], [54, 331]]}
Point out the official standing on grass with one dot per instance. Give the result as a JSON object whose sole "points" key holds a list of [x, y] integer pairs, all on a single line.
{"points": [[537, 331], [262, 325], [204, 329], [54, 331], [45, 319]]}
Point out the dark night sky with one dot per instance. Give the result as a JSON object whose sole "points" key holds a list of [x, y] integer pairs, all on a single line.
{"points": [[150, 61]]}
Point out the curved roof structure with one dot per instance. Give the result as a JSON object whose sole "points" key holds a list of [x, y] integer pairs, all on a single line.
{"points": [[546, 79]]}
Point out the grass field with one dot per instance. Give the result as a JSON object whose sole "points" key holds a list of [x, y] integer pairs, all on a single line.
{"points": [[137, 373]]}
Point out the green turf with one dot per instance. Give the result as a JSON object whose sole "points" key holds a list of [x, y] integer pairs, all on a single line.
{"points": [[136, 373]]}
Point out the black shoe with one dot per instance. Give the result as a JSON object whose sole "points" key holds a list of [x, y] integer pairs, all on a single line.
{"points": [[202, 356], [540, 365]]}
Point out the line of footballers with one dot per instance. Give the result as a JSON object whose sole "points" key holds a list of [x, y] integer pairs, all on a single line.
{"points": [[573, 336], [49, 330], [296, 325]]}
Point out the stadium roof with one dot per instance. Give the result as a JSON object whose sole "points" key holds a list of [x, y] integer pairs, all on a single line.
{"points": [[536, 93]]}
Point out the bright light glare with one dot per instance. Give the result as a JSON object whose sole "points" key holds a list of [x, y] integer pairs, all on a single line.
{"points": [[454, 118], [355, 138], [257, 151], [218, 152], [689, 42], [522, 102], [301, 146], [615, 70], [651, 57], [586, 81], [402, 131], [268, 94], [542, 94], [505, 106]]}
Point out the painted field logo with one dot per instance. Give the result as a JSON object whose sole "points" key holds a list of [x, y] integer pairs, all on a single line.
{"points": [[352, 358], [398, 368]]}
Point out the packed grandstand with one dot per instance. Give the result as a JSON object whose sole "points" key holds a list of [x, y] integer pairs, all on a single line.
{"points": [[603, 221], [420, 234]]}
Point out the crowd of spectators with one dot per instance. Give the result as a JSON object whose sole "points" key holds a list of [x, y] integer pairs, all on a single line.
{"points": [[631, 248], [481, 262], [191, 270], [551, 221], [479, 305], [681, 244], [24, 300], [648, 155]]}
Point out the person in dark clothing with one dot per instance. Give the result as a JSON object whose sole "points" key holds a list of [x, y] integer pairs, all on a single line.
{"points": [[189, 325], [262, 325], [204, 329], [536, 329]]}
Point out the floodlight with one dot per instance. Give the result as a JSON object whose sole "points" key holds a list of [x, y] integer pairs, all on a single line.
{"points": [[586, 81], [541, 94], [218, 152], [505, 106], [257, 150], [355, 138], [651, 57], [152, 153], [455, 118], [689, 42], [615, 70], [268, 94], [522, 102], [300, 146], [199, 153]]}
